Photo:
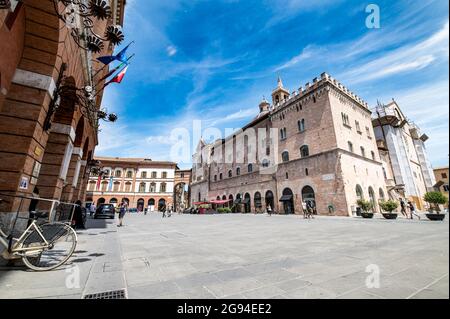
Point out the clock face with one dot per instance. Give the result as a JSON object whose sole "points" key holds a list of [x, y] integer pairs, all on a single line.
{"points": [[88, 89]]}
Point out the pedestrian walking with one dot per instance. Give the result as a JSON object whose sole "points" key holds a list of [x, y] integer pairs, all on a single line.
{"points": [[269, 210], [412, 209], [163, 210], [92, 209], [403, 207], [305, 210], [123, 211], [78, 222], [169, 212], [310, 208]]}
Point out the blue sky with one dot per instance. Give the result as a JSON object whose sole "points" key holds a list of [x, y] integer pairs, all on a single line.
{"points": [[214, 60]]}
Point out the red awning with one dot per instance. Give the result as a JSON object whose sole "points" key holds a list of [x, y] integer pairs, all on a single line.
{"points": [[201, 203], [220, 202]]}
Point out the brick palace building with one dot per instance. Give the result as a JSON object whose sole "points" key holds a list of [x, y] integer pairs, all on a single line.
{"points": [[318, 145], [47, 139], [141, 182]]}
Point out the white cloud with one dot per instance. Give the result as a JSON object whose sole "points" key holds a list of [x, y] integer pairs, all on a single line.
{"points": [[171, 50], [403, 59]]}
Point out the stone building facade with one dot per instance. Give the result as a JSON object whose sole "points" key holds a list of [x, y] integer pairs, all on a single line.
{"points": [[46, 141], [441, 174], [402, 148], [315, 145], [141, 182]]}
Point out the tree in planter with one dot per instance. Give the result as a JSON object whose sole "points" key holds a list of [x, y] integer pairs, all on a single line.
{"points": [[389, 206], [365, 205], [435, 199]]}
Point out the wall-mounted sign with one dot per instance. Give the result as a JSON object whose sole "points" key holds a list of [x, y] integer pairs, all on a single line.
{"points": [[24, 182], [36, 169], [37, 151]]}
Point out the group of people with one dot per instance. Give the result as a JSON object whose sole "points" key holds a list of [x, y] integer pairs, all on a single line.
{"points": [[408, 206], [309, 209]]}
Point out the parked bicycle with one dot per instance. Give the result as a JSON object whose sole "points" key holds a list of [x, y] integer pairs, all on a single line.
{"points": [[42, 247]]}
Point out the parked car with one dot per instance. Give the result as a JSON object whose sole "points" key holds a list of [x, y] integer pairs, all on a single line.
{"points": [[105, 211]]}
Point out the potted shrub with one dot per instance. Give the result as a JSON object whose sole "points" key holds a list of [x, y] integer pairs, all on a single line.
{"points": [[389, 206], [366, 207], [435, 199]]}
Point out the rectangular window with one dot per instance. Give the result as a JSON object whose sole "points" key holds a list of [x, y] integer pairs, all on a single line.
{"points": [[444, 175], [446, 188], [358, 127], [368, 132]]}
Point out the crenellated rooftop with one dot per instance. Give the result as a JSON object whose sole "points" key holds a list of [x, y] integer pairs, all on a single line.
{"points": [[319, 82]]}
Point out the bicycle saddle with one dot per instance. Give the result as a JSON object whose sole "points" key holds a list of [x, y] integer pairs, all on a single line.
{"points": [[37, 215]]}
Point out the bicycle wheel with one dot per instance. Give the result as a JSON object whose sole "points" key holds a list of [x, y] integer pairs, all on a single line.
{"points": [[63, 241]]}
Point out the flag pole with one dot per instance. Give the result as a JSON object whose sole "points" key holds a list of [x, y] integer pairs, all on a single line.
{"points": [[108, 64], [109, 82], [127, 63]]}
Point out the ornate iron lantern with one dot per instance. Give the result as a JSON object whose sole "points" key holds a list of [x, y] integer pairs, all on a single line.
{"points": [[5, 4], [79, 15], [84, 98]]}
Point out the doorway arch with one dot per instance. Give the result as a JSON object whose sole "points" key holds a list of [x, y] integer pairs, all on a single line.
{"points": [[161, 204], [247, 203], [288, 201], [140, 205], [270, 200]]}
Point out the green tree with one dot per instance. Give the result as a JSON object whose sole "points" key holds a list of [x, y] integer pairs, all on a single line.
{"points": [[435, 199], [389, 206], [365, 205]]}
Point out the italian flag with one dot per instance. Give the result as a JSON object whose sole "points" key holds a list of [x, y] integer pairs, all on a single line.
{"points": [[119, 77]]}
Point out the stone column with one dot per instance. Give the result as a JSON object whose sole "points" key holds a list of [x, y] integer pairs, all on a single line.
{"points": [[56, 161]]}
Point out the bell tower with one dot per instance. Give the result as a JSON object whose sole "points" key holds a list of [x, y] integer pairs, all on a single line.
{"points": [[280, 94], [264, 106]]}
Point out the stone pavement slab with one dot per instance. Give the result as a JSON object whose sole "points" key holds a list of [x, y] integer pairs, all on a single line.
{"points": [[247, 256]]}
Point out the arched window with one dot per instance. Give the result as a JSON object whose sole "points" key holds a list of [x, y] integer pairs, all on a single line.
{"points": [[153, 188], [238, 171], [164, 174], [230, 173], [381, 195], [144, 175], [359, 193], [130, 174], [116, 187], [350, 147], [285, 156], [220, 176], [128, 187], [163, 187], [301, 125], [372, 197], [118, 173], [142, 188], [154, 175], [363, 151], [104, 186], [250, 168], [283, 133], [265, 163], [304, 151], [151, 202]]}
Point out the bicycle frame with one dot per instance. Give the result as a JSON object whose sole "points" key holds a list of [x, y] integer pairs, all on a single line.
{"points": [[16, 249]]}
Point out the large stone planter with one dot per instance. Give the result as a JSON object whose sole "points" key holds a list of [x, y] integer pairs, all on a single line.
{"points": [[390, 216], [436, 217], [367, 215]]}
